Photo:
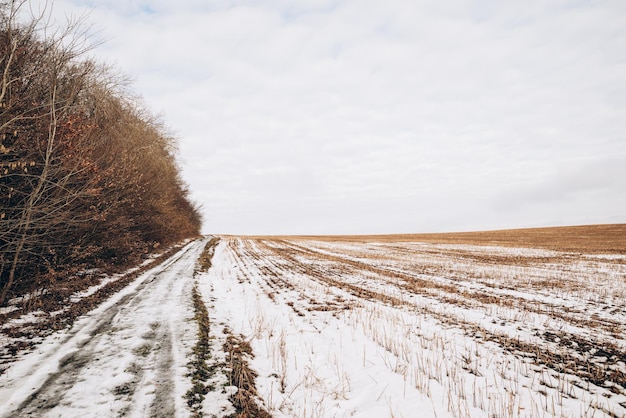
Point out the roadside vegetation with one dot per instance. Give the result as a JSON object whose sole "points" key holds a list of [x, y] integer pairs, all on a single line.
{"points": [[220, 360], [202, 369], [89, 182]]}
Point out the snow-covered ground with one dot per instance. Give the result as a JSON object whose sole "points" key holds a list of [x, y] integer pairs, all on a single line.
{"points": [[411, 329], [128, 357], [345, 329]]}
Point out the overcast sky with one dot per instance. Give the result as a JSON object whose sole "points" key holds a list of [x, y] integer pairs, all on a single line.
{"points": [[394, 116]]}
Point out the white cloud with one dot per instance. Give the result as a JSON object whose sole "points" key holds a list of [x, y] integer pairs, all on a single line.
{"points": [[367, 116]]}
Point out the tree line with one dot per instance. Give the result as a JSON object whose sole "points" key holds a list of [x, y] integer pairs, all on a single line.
{"points": [[88, 176]]}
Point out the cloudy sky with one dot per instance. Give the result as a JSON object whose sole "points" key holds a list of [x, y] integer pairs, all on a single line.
{"points": [[370, 116]]}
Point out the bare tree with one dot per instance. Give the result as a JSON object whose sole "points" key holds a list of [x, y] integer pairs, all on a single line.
{"points": [[39, 90]]}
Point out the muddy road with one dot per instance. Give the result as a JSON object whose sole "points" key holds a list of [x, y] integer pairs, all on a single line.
{"points": [[128, 357]]}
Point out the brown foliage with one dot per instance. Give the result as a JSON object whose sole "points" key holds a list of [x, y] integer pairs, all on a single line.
{"points": [[87, 177]]}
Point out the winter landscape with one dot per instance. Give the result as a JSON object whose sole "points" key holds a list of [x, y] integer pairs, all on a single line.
{"points": [[343, 327], [238, 236]]}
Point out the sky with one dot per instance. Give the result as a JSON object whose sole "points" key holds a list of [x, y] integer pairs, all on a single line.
{"points": [[369, 116]]}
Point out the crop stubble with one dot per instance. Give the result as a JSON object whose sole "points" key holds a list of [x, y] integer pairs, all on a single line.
{"points": [[527, 303]]}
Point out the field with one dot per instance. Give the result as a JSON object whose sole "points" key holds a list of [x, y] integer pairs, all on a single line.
{"points": [[526, 323]]}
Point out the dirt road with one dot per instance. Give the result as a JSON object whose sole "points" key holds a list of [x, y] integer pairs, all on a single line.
{"points": [[126, 358]]}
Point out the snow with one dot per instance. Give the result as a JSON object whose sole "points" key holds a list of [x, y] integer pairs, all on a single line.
{"points": [[346, 329], [114, 359], [321, 350], [319, 379], [7, 309]]}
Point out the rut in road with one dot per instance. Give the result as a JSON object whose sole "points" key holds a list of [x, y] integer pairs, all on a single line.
{"points": [[128, 359]]}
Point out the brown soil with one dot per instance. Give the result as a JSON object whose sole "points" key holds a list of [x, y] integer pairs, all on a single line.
{"points": [[590, 239]]}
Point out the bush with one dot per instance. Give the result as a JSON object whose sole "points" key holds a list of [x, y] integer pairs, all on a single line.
{"points": [[88, 176]]}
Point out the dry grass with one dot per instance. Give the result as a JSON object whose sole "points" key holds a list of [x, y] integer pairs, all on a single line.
{"points": [[204, 261], [511, 309], [240, 375], [200, 370]]}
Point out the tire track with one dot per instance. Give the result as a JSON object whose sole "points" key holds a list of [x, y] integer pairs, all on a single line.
{"points": [[123, 354]]}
